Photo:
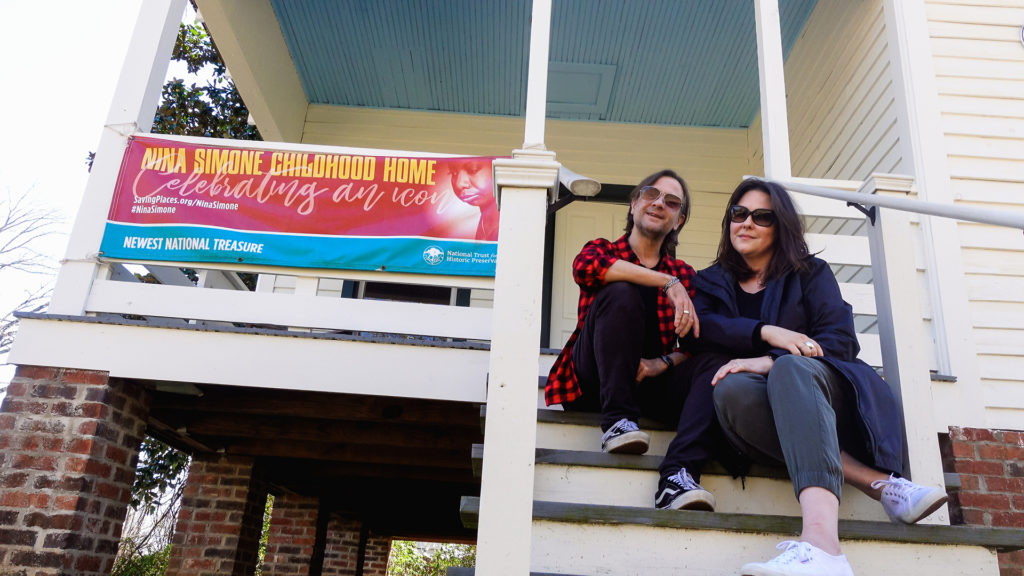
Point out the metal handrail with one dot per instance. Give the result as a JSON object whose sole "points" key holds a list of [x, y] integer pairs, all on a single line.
{"points": [[967, 213]]}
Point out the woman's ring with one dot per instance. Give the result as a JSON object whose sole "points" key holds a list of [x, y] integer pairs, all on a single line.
{"points": [[809, 344], [686, 311]]}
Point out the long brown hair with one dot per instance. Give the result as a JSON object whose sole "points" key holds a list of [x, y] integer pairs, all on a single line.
{"points": [[790, 249], [668, 245]]}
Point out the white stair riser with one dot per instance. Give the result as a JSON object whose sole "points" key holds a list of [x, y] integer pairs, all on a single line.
{"points": [[588, 438], [596, 550], [624, 487]]}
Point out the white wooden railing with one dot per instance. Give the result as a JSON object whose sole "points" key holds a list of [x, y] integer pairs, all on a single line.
{"points": [[220, 296]]}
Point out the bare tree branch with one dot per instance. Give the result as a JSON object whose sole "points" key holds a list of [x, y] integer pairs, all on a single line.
{"points": [[22, 225]]}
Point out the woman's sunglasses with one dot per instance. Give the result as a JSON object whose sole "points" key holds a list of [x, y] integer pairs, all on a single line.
{"points": [[761, 216], [671, 201]]}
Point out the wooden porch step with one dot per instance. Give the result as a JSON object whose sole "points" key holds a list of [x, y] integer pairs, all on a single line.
{"points": [[581, 432], [625, 480], [631, 540]]}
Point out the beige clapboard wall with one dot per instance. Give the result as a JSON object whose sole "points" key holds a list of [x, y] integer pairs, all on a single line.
{"points": [[711, 160], [979, 66]]}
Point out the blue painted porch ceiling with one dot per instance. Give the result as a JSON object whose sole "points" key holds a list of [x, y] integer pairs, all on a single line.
{"points": [[671, 62]]}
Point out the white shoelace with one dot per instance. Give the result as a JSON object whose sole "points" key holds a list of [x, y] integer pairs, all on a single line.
{"points": [[621, 427], [686, 481], [627, 425], [794, 552], [901, 486]]}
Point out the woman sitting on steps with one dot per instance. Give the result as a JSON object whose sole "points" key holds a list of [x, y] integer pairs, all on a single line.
{"points": [[789, 388]]}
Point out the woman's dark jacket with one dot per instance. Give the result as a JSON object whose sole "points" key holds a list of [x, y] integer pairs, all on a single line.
{"points": [[808, 302]]}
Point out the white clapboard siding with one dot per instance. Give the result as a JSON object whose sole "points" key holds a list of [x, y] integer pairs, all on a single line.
{"points": [[968, 146], [979, 67], [940, 30], [1006, 341], [851, 250], [984, 125], [840, 96], [991, 13], [982, 236], [985, 193], [991, 87], [1004, 393], [330, 287], [974, 68], [481, 298], [860, 296], [974, 47], [307, 311], [991, 288]]}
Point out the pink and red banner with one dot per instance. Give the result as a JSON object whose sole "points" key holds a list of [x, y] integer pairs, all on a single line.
{"points": [[179, 201]]}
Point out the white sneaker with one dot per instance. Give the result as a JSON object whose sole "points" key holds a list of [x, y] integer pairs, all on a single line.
{"points": [[800, 559], [625, 437], [907, 502]]}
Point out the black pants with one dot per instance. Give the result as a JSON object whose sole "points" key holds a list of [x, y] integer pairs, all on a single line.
{"points": [[606, 358]]}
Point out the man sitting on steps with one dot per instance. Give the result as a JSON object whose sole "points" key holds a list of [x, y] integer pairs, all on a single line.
{"points": [[623, 359]]}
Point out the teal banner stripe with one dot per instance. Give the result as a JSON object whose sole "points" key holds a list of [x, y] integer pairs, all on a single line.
{"points": [[204, 244]]}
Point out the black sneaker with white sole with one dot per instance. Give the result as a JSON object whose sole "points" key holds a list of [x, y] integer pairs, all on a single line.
{"points": [[679, 492], [625, 437]]}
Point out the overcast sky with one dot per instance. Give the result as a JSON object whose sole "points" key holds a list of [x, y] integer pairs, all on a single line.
{"points": [[60, 61]]}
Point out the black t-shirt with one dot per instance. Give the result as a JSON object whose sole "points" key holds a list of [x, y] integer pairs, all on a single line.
{"points": [[750, 307], [749, 304], [652, 332]]}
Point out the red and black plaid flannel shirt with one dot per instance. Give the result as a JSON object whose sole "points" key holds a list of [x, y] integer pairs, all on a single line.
{"points": [[588, 269]]}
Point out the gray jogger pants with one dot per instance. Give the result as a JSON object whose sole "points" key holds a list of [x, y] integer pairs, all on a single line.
{"points": [[796, 416]]}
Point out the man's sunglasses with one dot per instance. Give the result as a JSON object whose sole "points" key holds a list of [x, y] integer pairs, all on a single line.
{"points": [[671, 201], [761, 216]]}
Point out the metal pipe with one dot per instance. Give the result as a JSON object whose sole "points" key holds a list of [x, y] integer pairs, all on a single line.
{"points": [[968, 213]]}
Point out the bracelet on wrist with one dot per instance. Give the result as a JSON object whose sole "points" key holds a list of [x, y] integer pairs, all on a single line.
{"points": [[669, 284], [667, 360]]}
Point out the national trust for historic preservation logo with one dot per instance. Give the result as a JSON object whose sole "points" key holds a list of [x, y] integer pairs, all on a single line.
{"points": [[433, 255]]}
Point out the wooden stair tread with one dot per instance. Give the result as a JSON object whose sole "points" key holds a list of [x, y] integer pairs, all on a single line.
{"points": [[600, 459], [622, 461], [999, 539]]}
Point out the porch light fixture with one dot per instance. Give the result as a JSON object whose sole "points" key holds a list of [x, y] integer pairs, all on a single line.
{"points": [[578, 184]]}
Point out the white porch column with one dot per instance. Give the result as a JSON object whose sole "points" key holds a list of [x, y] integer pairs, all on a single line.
{"points": [[522, 186], [537, 77], [135, 101], [901, 332], [922, 148], [774, 118], [506, 488]]}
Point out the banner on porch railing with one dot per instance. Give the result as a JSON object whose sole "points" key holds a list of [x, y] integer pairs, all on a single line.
{"points": [[188, 202]]}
